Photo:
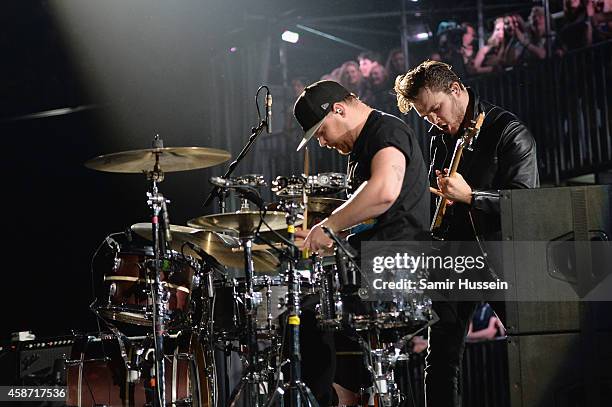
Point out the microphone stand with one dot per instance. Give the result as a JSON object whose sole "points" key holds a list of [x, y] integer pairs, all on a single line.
{"points": [[221, 192], [157, 202]]}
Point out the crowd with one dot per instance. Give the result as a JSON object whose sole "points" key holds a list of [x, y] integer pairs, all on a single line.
{"points": [[513, 40]]}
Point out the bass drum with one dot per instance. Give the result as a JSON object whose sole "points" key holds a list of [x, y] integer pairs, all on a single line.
{"points": [[97, 374]]}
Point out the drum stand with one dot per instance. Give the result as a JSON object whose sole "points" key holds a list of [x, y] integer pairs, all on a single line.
{"points": [[297, 389], [252, 377]]}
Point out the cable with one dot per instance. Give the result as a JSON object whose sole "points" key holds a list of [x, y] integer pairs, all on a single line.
{"points": [[108, 240], [257, 100]]}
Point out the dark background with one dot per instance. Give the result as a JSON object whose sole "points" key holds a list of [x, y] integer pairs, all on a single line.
{"points": [[136, 69]]}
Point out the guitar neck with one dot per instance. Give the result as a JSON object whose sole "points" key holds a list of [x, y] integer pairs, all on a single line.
{"points": [[443, 202]]}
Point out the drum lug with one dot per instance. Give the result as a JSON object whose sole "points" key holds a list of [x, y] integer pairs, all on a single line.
{"points": [[116, 263], [185, 356]]}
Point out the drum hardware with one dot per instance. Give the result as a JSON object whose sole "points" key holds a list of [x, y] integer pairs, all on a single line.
{"points": [[251, 379], [295, 386], [246, 186], [295, 186], [330, 310]]}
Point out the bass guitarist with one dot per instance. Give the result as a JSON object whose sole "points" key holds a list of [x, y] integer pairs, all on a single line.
{"points": [[502, 155]]}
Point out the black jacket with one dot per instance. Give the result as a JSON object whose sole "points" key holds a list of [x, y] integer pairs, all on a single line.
{"points": [[502, 156]]}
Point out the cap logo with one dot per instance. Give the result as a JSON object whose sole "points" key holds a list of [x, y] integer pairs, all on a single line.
{"points": [[324, 106]]}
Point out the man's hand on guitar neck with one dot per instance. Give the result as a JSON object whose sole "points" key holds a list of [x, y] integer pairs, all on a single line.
{"points": [[453, 187]]}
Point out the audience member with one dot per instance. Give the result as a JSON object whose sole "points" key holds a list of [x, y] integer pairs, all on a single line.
{"points": [[602, 20], [485, 324], [456, 47], [380, 96], [577, 32], [395, 65], [351, 78], [533, 38], [500, 50], [367, 60], [468, 50]]}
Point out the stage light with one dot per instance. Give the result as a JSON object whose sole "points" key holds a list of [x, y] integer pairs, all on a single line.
{"points": [[290, 36], [422, 36]]}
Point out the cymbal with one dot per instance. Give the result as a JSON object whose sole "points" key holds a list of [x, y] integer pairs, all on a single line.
{"points": [[244, 222], [323, 205], [318, 208], [225, 249], [180, 233], [170, 159], [221, 247]]}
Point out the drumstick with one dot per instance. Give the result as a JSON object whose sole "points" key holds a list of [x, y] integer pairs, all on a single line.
{"points": [[305, 253]]}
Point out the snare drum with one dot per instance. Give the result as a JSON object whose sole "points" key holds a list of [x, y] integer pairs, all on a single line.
{"points": [[341, 306], [127, 293], [410, 312]]}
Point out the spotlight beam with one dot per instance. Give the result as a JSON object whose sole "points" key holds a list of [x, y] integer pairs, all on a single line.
{"points": [[331, 37]]}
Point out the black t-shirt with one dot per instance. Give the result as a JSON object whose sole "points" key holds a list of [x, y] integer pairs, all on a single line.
{"points": [[408, 217]]}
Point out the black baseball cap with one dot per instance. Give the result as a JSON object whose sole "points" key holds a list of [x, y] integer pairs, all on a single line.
{"points": [[314, 103]]}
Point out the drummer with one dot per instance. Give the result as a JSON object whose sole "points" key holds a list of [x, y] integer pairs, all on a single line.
{"points": [[388, 183]]}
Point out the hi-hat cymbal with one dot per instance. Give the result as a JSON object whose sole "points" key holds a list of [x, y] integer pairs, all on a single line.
{"points": [[244, 223], [170, 159], [221, 247]]}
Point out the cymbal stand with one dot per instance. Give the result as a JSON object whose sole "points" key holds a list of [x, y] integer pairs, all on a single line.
{"points": [[252, 378], [297, 389], [160, 236]]}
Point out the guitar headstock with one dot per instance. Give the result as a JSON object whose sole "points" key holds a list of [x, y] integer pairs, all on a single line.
{"points": [[472, 130]]}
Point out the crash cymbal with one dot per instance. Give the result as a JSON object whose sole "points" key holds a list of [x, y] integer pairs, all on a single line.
{"points": [[222, 247], [244, 223], [170, 159]]}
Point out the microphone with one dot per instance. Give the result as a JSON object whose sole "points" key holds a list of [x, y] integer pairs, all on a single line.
{"points": [[221, 182], [268, 113], [346, 248], [164, 210]]}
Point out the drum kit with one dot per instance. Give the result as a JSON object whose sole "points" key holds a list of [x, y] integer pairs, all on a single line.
{"points": [[172, 285]]}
